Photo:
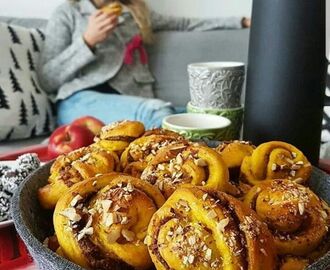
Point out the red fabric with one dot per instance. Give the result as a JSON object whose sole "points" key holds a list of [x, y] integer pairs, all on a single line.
{"points": [[136, 44], [13, 253], [40, 149]]}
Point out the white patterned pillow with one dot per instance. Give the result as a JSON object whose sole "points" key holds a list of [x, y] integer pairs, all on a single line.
{"points": [[326, 114], [25, 110]]}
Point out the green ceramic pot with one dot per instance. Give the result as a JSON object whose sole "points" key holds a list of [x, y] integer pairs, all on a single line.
{"points": [[197, 126], [235, 115]]}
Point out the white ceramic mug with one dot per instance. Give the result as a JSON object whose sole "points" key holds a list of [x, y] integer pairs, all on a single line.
{"points": [[216, 84]]}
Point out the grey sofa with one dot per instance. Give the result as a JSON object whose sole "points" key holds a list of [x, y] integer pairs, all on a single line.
{"points": [[169, 57]]}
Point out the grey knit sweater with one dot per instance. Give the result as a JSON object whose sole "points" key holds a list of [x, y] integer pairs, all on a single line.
{"points": [[67, 65]]}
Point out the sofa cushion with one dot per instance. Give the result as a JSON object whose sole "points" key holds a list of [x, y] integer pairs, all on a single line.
{"points": [[25, 22], [24, 108], [326, 113]]}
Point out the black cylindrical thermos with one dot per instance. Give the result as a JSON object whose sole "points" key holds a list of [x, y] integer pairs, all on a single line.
{"points": [[286, 74]]}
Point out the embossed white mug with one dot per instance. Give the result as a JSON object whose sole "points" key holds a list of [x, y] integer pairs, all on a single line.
{"points": [[216, 85]]}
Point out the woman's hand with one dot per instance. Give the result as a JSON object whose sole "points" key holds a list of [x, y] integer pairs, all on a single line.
{"points": [[100, 26], [246, 22]]}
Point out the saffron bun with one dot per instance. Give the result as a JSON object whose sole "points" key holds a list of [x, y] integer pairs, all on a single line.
{"points": [[118, 135], [113, 9], [201, 229], [101, 223], [275, 160], [179, 164], [74, 167], [297, 218]]}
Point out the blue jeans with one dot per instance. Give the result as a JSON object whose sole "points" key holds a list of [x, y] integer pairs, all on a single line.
{"points": [[113, 107]]}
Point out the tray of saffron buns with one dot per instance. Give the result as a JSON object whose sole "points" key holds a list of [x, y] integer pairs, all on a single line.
{"points": [[139, 199]]}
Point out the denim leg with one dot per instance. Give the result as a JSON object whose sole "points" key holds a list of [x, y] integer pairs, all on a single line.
{"points": [[152, 111], [110, 108]]}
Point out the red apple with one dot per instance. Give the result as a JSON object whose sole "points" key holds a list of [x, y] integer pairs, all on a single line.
{"points": [[68, 138], [89, 122]]}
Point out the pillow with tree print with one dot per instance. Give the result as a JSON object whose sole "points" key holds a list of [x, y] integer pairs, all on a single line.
{"points": [[25, 110], [326, 114]]}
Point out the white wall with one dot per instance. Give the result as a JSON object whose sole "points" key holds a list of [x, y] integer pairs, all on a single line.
{"points": [[28, 8], [201, 8]]}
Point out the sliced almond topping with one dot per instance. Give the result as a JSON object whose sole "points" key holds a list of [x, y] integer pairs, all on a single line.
{"points": [[85, 231], [300, 162], [85, 157], [324, 214], [293, 173], [161, 167], [128, 197], [160, 185], [208, 254], [222, 224], [177, 167], [289, 161], [71, 214], [178, 147], [263, 251], [75, 200], [212, 214], [89, 222], [191, 259], [295, 167], [124, 220], [111, 218], [128, 235], [192, 240], [183, 203], [179, 159], [130, 187], [283, 166], [299, 180], [200, 162], [205, 196], [294, 154], [106, 204], [178, 175], [171, 167], [116, 208], [92, 211], [301, 207], [179, 230], [146, 240], [274, 167], [113, 236]]}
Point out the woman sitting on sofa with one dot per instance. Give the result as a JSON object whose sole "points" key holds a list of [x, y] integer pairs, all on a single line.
{"points": [[94, 62]]}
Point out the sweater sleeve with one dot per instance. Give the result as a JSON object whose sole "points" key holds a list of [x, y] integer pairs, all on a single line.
{"points": [[168, 23], [61, 57]]}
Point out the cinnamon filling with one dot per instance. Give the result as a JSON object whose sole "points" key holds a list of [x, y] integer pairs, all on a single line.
{"points": [[97, 260], [121, 138]]}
